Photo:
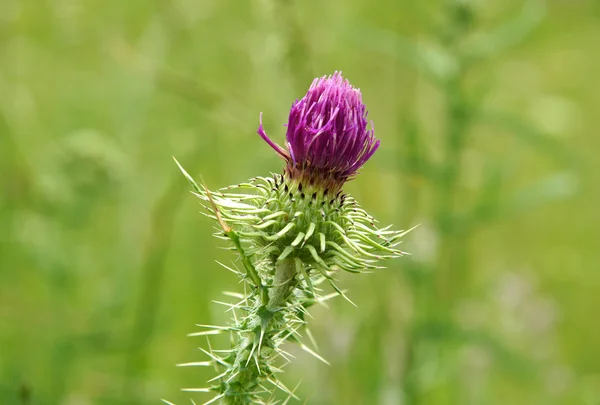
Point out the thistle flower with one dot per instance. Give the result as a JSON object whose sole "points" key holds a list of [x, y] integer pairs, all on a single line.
{"points": [[327, 137], [293, 232]]}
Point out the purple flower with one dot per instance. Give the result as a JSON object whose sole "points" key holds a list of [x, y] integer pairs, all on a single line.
{"points": [[327, 136]]}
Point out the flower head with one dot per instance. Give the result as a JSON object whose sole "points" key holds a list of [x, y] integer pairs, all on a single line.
{"points": [[327, 137]]}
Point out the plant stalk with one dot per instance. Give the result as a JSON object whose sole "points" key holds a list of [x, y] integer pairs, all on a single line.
{"points": [[254, 348]]}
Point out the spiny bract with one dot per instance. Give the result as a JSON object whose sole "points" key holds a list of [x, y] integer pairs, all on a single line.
{"points": [[278, 219]]}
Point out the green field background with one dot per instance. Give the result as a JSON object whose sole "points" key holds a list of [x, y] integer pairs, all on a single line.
{"points": [[488, 114]]}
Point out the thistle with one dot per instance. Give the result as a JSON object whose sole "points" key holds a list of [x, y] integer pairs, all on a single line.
{"points": [[293, 232]]}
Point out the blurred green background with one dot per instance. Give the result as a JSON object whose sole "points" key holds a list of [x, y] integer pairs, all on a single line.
{"points": [[488, 116]]}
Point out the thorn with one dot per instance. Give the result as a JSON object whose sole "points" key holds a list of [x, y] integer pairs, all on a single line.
{"points": [[282, 387], [212, 356], [309, 351], [336, 288], [257, 364], [226, 228], [311, 338], [219, 376], [195, 389], [195, 363], [213, 327], [187, 176], [293, 391], [251, 353], [233, 294], [214, 399], [234, 375], [228, 268], [285, 355], [205, 333]]}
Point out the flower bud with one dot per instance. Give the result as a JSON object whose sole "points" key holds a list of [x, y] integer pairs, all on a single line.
{"points": [[327, 137]]}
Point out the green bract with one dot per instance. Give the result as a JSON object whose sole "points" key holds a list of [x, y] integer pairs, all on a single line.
{"points": [[278, 220]]}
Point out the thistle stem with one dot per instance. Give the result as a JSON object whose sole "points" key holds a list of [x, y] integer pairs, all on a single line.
{"points": [[256, 346], [250, 269], [284, 283]]}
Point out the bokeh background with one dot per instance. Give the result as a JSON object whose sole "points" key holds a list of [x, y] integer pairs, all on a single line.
{"points": [[488, 116]]}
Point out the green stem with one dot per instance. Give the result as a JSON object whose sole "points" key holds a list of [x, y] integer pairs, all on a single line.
{"points": [[250, 269], [255, 346], [284, 283]]}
